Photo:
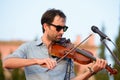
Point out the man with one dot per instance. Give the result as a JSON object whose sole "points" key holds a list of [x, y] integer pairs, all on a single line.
{"points": [[35, 57]]}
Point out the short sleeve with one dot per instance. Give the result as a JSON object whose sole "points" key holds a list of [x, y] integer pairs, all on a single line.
{"points": [[19, 53]]}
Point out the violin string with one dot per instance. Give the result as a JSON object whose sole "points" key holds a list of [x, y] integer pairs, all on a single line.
{"points": [[73, 48]]}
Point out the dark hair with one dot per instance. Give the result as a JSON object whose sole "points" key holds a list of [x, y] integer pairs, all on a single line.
{"points": [[49, 15]]}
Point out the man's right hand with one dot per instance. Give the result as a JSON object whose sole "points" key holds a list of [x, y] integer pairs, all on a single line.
{"points": [[47, 63]]}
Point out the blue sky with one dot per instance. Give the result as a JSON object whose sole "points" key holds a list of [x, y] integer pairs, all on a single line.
{"points": [[20, 19]]}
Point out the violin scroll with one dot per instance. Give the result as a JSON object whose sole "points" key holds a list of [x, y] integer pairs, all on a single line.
{"points": [[111, 70]]}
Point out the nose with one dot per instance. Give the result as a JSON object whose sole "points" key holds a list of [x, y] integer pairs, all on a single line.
{"points": [[61, 31]]}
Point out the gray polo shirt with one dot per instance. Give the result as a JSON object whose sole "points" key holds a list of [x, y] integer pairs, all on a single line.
{"points": [[36, 49]]}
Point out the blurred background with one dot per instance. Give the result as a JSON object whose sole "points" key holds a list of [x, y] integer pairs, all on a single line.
{"points": [[20, 22]]}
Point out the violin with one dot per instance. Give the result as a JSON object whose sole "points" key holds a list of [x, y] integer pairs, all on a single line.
{"points": [[65, 49]]}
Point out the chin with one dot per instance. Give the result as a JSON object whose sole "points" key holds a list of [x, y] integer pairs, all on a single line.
{"points": [[57, 39]]}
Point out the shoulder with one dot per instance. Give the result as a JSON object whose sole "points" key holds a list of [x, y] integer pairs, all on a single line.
{"points": [[31, 43]]}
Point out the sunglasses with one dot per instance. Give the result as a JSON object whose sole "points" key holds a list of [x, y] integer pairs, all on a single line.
{"points": [[58, 27]]}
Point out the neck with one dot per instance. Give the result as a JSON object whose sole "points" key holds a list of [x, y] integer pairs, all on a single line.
{"points": [[46, 41]]}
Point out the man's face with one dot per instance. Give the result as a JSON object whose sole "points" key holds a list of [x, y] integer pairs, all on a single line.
{"points": [[54, 33]]}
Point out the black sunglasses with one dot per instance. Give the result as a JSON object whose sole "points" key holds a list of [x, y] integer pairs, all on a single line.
{"points": [[58, 27]]}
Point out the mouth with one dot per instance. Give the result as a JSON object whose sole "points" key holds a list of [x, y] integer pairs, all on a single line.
{"points": [[59, 36]]}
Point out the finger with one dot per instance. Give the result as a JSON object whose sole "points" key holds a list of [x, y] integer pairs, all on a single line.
{"points": [[48, 63], [51, 63], [97, 65], [98, 62], [103, 63]]}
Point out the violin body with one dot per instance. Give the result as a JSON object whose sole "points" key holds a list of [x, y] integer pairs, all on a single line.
{"points": [[65, 49]]}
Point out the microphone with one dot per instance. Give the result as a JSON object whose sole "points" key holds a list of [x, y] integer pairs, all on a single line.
{"points": [[101, 34]]}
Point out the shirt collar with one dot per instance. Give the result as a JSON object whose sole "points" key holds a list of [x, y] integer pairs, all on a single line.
{"points": [[39, 42]]}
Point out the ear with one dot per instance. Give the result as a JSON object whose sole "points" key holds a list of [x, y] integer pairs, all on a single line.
{"points": [[45, 26]]}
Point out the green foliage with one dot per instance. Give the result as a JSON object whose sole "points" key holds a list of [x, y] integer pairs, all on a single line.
{"points": [[117, 76], [1, 70], [17, 74], [102, 75], [102, 48]]}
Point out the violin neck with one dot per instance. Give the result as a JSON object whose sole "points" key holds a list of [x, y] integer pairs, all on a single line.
{"points": [[85, 53]]}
